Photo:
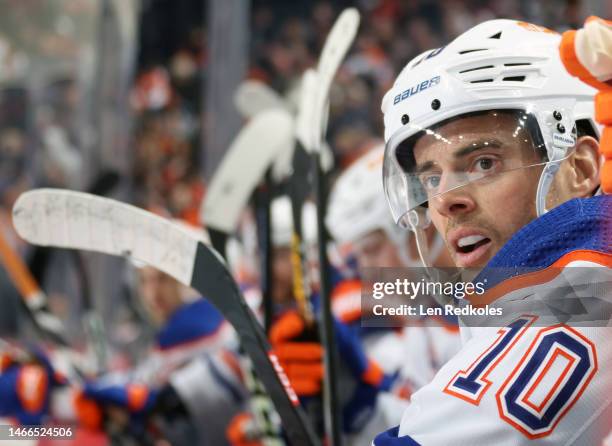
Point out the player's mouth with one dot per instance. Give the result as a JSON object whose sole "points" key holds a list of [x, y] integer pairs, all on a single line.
{"points": [[470, 247]]}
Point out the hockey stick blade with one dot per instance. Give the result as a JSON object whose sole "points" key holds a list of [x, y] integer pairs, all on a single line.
{"points": [[253, 96], [306, 113], [336, 46], [243, 167], [334, 51], [55, 217]]}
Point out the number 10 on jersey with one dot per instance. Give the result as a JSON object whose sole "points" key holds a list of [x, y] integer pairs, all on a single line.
{"points": [[544, 385]]}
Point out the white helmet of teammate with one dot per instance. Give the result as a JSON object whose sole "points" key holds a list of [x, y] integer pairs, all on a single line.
{"points": [[282, 222], [499, 66], [357, 206]]}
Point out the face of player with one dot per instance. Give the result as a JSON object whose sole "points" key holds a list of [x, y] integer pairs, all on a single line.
{"points": [[376, 250], [282, 285], [161, 293], [477, 219]]}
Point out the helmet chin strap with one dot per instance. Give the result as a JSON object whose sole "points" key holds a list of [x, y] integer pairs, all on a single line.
{"points": [[406, 254], [546, 179], [418, 220]]}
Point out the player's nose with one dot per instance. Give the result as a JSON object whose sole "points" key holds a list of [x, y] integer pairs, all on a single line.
{"points": [[453, 202]]}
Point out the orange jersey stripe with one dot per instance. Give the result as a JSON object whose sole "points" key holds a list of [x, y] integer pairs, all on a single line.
{"points": [[540, 277]]}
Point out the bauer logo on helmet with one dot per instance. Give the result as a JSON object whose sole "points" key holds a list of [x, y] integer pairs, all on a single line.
{"points": [[416, 89]]}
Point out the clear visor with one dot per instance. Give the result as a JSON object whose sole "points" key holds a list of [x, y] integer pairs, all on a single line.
{"points": [[473, 148]]}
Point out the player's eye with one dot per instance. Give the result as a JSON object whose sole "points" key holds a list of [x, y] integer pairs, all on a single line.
{"points": [[430, 182], [485, 164]]}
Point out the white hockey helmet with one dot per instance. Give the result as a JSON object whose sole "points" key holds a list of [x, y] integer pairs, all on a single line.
{"points": [[282, 222], [356, 203], [499, 65]]}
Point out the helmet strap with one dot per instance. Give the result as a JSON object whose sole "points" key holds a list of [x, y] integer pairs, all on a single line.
{"points": [[546, 178], [418, 220]]}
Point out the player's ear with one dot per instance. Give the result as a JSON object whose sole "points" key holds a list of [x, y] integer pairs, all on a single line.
{"points": [[585, 164], [578, 175]]}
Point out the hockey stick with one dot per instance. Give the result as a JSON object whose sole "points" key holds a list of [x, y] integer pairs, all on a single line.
{"points": [[34, 298], [77, 220], [252, 97], [309, 125], [310, 129], [248, 159], [266, 418], [262, 409], [336, 46], [92, 322], [299, 189], [103, 184], [262, 202], [243, 167], [340, 39]]}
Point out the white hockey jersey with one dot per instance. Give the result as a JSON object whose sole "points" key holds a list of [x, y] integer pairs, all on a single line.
{"points": [[413, 354], [533, 380], [196, 354]]}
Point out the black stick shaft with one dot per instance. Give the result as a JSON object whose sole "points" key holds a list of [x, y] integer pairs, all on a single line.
{"points": [[332, 414], [271, 432], [263, 198], [221, 289], [218, 240], [299, 190]]}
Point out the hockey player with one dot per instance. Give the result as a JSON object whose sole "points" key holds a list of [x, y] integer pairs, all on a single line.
{"points": [[192, 379], [189, 386], [493, 136], [26, 382], [302, 356]]}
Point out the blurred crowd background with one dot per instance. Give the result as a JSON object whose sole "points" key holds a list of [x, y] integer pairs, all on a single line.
{"points": [[88, 86]]}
